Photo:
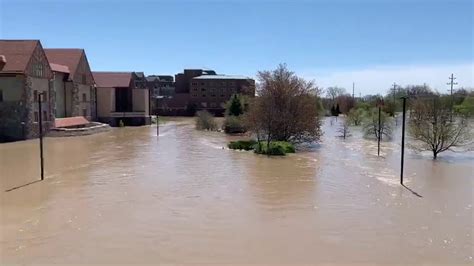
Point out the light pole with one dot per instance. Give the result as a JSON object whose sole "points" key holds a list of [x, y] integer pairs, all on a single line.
{"points": [[379, 137], [40, 115], [404, 98]]}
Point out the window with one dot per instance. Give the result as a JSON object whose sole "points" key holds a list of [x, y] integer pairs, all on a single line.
{"points": [[223, 83], [203, 104], [204, 95], [36, 118], [202, 84], [203, 89], [213, 95], [84, 97], [195, 89], [1, 96], [84, 112], [45, 116], [213, 105], [38, 70], [195, 95], [84, 78], [35, 95], [194, 83]]}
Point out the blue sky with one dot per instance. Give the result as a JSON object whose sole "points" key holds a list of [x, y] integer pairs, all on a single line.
{"points": [[373, 43]]}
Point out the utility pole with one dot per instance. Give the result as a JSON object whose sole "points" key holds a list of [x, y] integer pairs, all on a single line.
{"points": [[394, 90], [353, 86], [452, 83]]}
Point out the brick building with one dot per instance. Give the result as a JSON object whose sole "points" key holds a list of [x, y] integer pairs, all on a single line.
{"points": [[204, 89]]}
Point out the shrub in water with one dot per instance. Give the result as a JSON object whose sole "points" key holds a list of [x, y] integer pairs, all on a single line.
{"points": [[233, 125], [276, 148], [205, 121], [242, 145]]}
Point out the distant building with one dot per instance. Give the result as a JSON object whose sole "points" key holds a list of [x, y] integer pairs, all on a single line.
{"points": [[122, 96], [211, 92], [183, 80], [160, 86], [73, 84], [204, 89], [24, 74]]}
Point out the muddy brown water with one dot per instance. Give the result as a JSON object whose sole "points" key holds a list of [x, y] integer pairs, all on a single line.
{"points": [[127, 196]]}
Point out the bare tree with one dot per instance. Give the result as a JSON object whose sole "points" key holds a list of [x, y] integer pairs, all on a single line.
{"points": [[344, 130], [371, 125], [432, 127], [334, 92], [285, 108]]}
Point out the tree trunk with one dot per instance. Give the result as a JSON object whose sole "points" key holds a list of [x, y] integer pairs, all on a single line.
{"points": [[435, 154]]}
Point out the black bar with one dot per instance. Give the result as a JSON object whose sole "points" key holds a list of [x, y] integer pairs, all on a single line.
{"points": [[40, 114], [379, 136], [403, 139]]}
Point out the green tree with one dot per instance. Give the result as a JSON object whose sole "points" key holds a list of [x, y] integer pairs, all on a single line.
{"points": [[466, 108], [235, 106]]}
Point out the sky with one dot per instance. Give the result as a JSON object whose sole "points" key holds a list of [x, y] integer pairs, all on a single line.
{"points": [[335, 43]]}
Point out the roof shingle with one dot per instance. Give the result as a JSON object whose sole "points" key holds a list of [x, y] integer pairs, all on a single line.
{"points": [[17, 54], [65, 57]]}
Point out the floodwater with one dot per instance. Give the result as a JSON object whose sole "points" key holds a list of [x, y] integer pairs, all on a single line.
{"points": [[130, 197]]}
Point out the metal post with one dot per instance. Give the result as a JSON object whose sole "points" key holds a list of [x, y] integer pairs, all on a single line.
{"points": [[403, 139], [40, 114], [379, 130]]}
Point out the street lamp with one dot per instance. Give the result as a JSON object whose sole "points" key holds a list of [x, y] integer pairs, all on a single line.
{"points": [[40, 115], [402, 159]]}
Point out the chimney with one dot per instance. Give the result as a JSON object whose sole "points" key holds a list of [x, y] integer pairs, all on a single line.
{"points": [[3, 61]]}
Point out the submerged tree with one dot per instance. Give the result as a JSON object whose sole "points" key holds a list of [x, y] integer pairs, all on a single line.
{"points": [[371, 125], [356, 116], [284, 109], [344, 130], [205, 121], [432, 127]]}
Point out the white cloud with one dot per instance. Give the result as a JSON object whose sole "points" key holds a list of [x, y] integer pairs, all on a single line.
{"points": [[379, 79]]}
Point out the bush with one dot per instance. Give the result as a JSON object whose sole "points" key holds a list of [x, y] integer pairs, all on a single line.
{"points": [[242, 145], [276, 148], [233, 124], [205, 121]]}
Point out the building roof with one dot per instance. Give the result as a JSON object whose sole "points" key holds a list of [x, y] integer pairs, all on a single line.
{"points": [[140, 74], [59, 68], [112, 79], [17, 54], [221, 77], [65, 57], [160, 78], [152, 78]]}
